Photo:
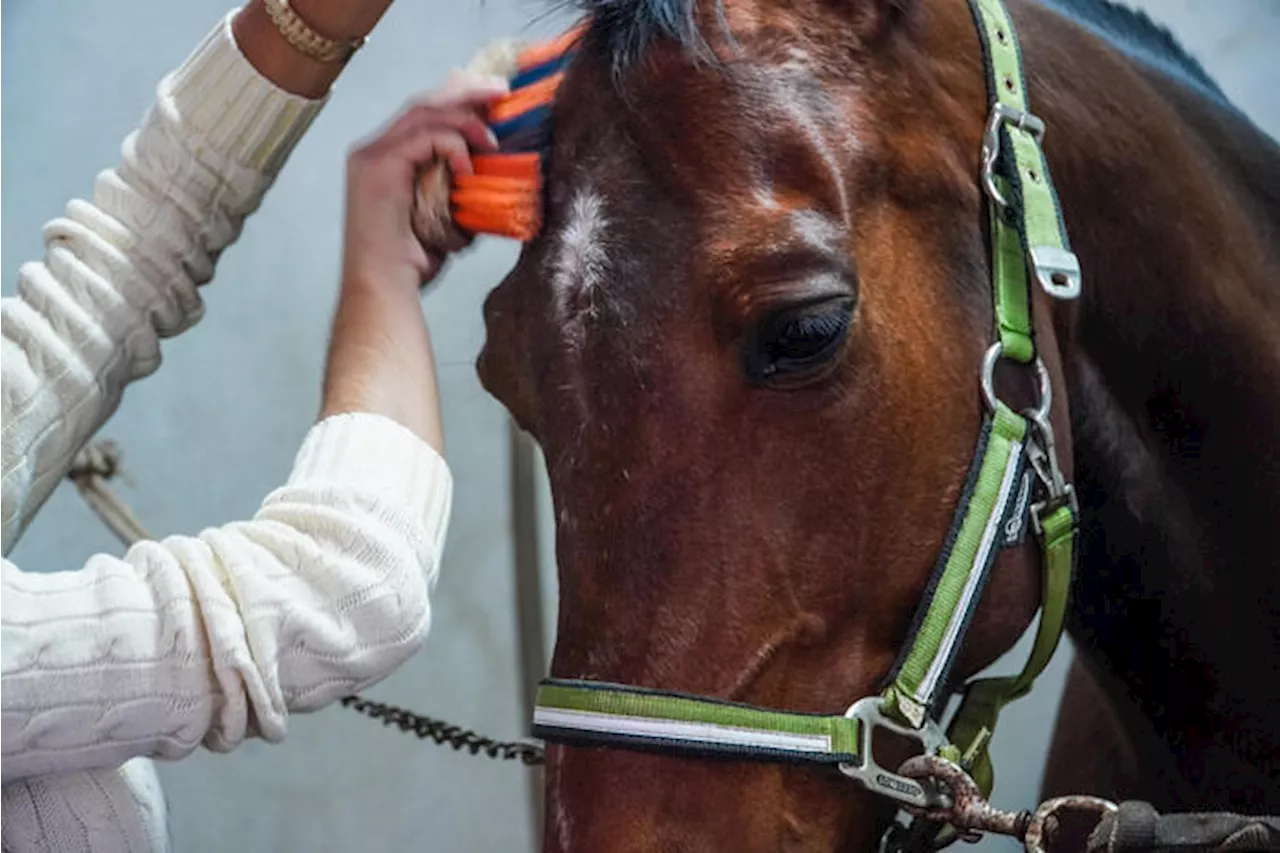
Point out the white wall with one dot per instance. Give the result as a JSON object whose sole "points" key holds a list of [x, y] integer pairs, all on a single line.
{"points": [[216, 428]]}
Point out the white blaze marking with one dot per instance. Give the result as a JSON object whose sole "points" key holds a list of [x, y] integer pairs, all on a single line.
{"points": [[578, 264]]}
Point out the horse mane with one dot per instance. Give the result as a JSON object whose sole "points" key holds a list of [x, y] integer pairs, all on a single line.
{"points": [[622, 30], [1132, 32]]}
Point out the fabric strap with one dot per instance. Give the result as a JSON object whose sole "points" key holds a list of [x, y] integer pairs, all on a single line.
{"points": [[1136, 827], [975, 721], [1009, 285], [1027, 231], [599, 713], [1032, 213], [993, 499]]}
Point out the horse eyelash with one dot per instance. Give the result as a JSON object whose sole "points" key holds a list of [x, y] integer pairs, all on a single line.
{"points": [[825, 325]]}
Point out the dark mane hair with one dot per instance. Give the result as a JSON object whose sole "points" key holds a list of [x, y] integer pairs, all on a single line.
{"points": [[622, 30], [1134, 33]]}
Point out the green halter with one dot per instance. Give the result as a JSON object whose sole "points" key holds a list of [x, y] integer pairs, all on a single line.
{"points": [[1014, 479]]}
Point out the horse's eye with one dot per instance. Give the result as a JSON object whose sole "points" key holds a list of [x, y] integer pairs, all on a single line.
{"points": [[797, 342]]}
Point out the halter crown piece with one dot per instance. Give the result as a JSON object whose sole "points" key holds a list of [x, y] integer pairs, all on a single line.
{"points": [[1014, 487]]}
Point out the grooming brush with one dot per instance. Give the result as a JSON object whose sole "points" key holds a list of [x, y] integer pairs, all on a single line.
{"points": [[503, 195]]}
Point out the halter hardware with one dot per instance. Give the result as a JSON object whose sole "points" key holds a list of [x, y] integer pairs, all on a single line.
{"points": [[1002, 113], [1041, 446], [921, 793], [1042, 453], [988, 383], [1016, 454], [1057, 270]]}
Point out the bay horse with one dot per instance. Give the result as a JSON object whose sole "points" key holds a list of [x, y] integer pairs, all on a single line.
{"points": [[747, 338]]}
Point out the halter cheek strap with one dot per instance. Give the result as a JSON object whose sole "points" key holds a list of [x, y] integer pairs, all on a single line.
{"points": [[1014, 485], [1028, 242]]}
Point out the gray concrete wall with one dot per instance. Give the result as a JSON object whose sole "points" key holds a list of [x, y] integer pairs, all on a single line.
{"points": [[216, 428]]}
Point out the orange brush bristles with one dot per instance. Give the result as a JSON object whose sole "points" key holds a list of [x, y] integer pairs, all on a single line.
{"points": [[536, 54], [503, 195], [525, 99]]}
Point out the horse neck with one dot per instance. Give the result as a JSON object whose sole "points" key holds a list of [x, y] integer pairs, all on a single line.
{"points": [[1172, 360]]}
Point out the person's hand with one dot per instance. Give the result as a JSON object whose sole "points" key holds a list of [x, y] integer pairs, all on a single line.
{"points": [[380, 247], [380, 358]]}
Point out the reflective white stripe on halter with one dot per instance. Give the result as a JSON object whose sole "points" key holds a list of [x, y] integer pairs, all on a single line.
{"points": [[973, 582], [680, 730]]}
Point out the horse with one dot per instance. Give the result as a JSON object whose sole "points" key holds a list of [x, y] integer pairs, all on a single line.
{"points": [[747, 339]]}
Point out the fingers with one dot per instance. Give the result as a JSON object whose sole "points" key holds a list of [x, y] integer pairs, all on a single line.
{"points": [[461, 94], [430, 142], [385, 209], [449, 115], [469, 125]]}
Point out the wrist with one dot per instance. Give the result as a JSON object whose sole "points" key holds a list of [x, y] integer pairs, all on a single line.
{"points": [[393, 283], [270, 52], [341, 21]]}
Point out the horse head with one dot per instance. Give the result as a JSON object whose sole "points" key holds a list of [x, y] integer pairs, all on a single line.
{"points": [[747, 339]]}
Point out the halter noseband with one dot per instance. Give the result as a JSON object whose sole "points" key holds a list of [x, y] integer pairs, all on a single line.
{"points": [[1014, 486]]}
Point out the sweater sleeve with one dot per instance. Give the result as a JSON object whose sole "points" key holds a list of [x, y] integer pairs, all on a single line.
{"points": [[121, 271], [201, 639], [212, 638]]}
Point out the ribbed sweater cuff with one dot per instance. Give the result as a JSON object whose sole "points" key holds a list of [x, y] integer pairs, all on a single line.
{"points": [[225, 101], [374, 453]]}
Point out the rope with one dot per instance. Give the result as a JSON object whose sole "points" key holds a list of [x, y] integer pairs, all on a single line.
{"points": [[1131, 827], [90, 470], [96, 464], [1136, 827]]}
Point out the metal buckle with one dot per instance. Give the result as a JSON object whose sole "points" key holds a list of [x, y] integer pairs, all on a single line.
{"points": [[923, 794], [1000, 114], [1057, 269]]}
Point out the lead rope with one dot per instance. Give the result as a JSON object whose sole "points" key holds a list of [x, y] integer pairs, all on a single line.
{"points": [[91, 471], [1132, 826]]}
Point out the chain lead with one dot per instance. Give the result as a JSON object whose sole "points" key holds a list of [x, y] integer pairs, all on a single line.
{"points": [[529, 754]]}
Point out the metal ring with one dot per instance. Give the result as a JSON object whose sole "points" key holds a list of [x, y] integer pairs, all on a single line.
{"points": [[1034, 838], [993, 355]]}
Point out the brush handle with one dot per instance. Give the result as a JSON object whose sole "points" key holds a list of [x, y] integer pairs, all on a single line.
{"points": [[432, 212]]}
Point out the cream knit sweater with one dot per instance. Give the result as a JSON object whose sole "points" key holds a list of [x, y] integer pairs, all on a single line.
{"points": [[192, 640]]}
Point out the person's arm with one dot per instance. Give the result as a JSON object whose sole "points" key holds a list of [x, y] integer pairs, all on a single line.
{"points": [[121, 270], [212, 638], [379, 334]]}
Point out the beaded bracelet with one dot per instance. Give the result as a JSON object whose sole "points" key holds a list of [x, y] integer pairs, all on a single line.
{"points": [[306, 40]]}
